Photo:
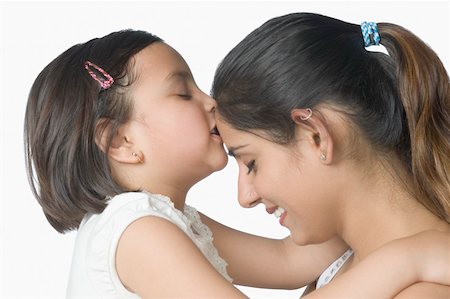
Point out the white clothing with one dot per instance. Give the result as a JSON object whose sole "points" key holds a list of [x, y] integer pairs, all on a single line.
{"points": [[334, 268], [93, 271]]}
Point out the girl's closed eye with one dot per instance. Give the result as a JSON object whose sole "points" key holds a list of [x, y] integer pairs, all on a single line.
{"points": [[185, 96], [182, 88], [183, 92]]}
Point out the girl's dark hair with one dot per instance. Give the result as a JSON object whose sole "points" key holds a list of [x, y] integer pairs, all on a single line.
{"points": [[68, 173], [399, 102]]}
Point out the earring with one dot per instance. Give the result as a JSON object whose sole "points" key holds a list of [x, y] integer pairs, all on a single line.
{"points": [[322, 157], [308, 116], [137, 156]]}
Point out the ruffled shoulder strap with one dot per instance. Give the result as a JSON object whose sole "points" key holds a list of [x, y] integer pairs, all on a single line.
{"points": [[203, 238]]}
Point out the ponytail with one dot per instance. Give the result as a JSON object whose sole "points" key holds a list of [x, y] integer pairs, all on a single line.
{"points": [[424, 90]]}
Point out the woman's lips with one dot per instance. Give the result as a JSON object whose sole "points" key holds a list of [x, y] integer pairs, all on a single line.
{"points": [[278, 212], [271, 210], [282, 217]]}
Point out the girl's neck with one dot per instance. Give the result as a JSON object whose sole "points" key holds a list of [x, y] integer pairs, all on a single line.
{"points": [[178, 201], [155, 183], [176, 195], [379, 210]]}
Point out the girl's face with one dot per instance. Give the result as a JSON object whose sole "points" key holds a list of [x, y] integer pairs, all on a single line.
{"points": [[173, 119], [286, 182]]}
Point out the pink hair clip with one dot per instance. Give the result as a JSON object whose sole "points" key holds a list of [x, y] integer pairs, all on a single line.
{"points": [[106, 82]]}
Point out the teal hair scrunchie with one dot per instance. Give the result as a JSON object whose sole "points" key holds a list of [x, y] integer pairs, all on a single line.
{"points": [[370, 34]]}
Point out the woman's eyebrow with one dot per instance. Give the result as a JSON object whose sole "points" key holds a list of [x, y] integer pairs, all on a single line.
{"points": [[232, 150]]}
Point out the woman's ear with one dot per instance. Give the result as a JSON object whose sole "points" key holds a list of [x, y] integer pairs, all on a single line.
{"points": [[121, 149], [312, 124]]}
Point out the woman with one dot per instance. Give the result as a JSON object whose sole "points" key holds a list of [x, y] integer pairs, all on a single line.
{"points": [[338, 141]]}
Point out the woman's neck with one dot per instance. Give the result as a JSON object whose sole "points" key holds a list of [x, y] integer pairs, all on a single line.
{"points": [[379, 209]]}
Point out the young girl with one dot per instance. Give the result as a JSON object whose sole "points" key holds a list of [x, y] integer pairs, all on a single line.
{"points": [[116, 133], [337, 140]]}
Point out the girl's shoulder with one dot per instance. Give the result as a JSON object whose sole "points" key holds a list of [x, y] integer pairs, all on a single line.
{"points": [[93, 271], [129, 206], [137, 201]]}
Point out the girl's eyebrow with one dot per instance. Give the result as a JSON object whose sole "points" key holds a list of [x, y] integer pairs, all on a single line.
{"points": [[232, 150], [178, 74]]}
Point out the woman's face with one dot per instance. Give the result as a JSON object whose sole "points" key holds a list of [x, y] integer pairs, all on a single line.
{"points": [[289, 180]]}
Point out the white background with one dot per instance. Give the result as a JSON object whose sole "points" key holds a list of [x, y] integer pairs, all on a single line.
{"points": [[35, 259]]}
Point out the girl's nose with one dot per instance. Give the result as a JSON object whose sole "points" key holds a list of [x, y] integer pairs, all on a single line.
{"points": [[247, 196], [209, 103]]}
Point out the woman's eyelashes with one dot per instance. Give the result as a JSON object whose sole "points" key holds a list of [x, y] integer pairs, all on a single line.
{"points": [[251, 166]]}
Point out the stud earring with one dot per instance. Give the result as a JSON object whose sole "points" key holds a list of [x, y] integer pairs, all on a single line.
{"points": [[322, 157], [137, 156], [308, 116]]}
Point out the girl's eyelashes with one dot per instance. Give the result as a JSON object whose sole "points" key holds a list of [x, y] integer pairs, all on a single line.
{"points": [[185, 96], [251, 166]]}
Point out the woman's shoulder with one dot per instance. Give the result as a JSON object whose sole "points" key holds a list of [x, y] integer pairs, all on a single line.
{"points": [[425, 290]]}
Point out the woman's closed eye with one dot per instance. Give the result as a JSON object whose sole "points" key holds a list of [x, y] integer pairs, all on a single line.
{"points": [[251, 166]]}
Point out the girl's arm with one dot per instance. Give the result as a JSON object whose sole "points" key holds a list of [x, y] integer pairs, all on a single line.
{"points": [[267, 263], [395, 268], [155, 259]]}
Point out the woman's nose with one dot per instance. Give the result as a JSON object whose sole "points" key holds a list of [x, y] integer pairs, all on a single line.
{"points": [[247, 196]]}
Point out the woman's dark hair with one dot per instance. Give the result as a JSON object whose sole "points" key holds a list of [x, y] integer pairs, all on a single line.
{"points": [[399, 102], [68, 173]]}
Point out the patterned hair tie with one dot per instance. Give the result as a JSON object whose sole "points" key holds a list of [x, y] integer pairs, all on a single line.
{"points": [[370, 34], [94, 71]]}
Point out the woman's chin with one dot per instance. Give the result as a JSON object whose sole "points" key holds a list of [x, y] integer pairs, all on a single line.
{"points": [[221, 162]]}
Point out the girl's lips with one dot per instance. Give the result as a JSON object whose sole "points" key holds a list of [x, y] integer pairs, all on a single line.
{"points": [[215, 134], [216, 137]]}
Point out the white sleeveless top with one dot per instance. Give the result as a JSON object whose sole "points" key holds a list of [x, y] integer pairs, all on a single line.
{"points": [[333, 269], [93, 271]]}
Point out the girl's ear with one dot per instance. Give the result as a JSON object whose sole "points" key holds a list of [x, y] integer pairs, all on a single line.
{"points": [[121, 149], [311, 125]]}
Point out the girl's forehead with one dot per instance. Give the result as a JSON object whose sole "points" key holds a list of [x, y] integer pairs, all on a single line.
{"points": [[160, 72], [160, 61]]}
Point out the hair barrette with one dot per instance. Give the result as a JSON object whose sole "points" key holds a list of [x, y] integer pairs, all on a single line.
{"points": [[94, 71]]}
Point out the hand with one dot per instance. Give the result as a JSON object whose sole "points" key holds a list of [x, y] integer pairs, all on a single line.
{"points": [[394, 267]]}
